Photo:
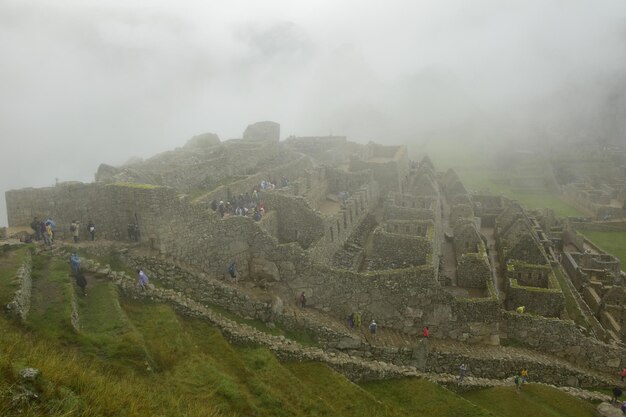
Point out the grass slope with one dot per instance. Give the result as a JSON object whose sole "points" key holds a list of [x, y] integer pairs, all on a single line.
{"points": [[105, 327], [143, 359], [51, 309], [417, 397], [532, 400]]}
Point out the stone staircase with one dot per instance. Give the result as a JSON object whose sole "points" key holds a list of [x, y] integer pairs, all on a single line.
{"points": [[350, 257], [352, 254]]}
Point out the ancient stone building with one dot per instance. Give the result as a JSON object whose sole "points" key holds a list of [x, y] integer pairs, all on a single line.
{"points": [[357, 228]]}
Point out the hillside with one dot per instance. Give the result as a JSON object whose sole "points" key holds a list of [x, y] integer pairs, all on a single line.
{"points": [[135, 357]]}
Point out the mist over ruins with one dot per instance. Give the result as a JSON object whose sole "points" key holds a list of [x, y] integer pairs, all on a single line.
{"points": [[360, 229]]}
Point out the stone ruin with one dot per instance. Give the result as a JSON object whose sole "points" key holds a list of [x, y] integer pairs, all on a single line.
{"points": [[357, 228]]}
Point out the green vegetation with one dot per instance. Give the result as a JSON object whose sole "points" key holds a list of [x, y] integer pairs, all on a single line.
{"points": [[135, 185], [417, 397], [134, 358], [532, 400], [51, 309], [9, 265], [611, 242]]}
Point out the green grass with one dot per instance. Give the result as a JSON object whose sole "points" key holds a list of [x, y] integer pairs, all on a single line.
{"points": [[303, 337], [135, 185], [50, 310], [9, 265], [135, 358], [418, 397], [611, 242], [105, 329], [532, 400]]}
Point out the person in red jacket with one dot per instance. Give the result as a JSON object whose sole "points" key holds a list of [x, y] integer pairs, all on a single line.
{"points": [[425, 331]]}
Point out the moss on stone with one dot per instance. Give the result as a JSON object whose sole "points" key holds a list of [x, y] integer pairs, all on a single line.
{"points": [[135, 185]]}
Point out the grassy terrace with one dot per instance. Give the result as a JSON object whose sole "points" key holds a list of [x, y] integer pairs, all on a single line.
{"points": [[135, 358]]}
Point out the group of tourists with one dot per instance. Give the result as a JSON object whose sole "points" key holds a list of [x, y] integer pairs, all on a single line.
{"points": [[249, 204], [46, 230]]}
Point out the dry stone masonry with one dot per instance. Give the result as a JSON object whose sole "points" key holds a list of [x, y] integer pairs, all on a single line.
{"points": [[357, 228]]}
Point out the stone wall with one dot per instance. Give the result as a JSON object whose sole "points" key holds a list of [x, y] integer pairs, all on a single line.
{"points": [[296, 221], [561, 338], [401, 250], [467, 239], [20, 304], [292, 167], [421, 228], [405, 213], [338, 227], [530, 275], [548, 302], [473, 270]]}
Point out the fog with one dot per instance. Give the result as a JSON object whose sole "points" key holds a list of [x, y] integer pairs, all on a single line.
{"points": [[85, 82]]}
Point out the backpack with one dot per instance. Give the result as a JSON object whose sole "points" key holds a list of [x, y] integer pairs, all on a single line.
{"points": [[73, 228]]}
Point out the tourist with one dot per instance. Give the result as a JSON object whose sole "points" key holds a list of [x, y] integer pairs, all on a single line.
{"points": [[75, 229], [302, 300], [232, 271], [524, 374], [82, 283], [623, 407], [373, 327], [44, 233], [351, 321], [617, 392], [49, 234], [357, 319], [75, 263], [92, 230], [425, 331], [131, 232], [53, 227], [622, 374], [518, 382], [136, 231], [142, 279], [221, 208], [462, 371], [36, 228]]}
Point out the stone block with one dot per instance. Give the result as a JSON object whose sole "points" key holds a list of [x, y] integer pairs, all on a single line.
{"points": [[264, 270]]}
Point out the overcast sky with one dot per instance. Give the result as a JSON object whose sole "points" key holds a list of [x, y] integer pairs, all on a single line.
{"points": [[85, 81]]}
